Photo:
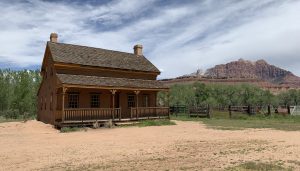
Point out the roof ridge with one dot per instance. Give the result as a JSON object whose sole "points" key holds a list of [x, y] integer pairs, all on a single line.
{"points": [[94, 48]]}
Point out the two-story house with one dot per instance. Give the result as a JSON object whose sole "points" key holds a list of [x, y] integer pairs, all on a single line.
{"points": [[81, 85]]}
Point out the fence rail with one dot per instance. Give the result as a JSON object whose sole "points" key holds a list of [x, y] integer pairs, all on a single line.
{"points": [[197, 111], [142, 112]]}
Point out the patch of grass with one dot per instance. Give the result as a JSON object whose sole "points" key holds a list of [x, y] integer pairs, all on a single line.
{"points": [[160, 122], [2, 120], [240, 121], [249, 166], [70, 129]]}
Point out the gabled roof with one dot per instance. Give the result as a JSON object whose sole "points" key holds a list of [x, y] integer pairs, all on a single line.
{"points": [[109, 82], [90, 56]]}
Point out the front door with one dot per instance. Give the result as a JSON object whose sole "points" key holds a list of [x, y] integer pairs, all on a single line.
{"points": [[117, 100]]}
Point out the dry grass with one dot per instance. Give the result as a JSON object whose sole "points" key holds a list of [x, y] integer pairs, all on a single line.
{"points": [[184, 146], [258, 166]]}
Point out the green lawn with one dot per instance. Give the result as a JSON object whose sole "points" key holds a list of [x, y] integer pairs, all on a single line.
{"points": [[144, 123], [221, 120], [159, 122]]}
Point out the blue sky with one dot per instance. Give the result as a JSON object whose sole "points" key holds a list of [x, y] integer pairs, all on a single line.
{"points": [[179, 37]]}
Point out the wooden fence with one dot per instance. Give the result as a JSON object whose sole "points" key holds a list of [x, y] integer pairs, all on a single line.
{"points": [[200, 111], [149, 112], [176, 109]]}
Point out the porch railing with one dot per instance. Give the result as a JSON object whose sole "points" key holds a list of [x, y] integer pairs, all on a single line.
{"points": [[82, 114], [148, 112], [91, 114]]}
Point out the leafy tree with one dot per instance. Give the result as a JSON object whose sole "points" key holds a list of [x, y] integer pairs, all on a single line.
{"points": [[18, 92]]}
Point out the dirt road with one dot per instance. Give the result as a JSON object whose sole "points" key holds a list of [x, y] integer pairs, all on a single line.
{"points": [[185, 146]]}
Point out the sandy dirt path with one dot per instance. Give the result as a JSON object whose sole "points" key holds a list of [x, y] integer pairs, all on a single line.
{"points": [[185, 146]]}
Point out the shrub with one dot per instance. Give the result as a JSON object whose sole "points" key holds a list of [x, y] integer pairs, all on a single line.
{"points": [[69, 129], [108, 124], [96, 125]]}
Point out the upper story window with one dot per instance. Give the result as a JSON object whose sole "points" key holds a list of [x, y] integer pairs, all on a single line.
{"points": [[73, 100], [131, 100], [95, 100]]}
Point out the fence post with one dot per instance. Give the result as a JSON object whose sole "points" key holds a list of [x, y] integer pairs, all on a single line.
{"points": [[269, 110], [208, 111], [229, 108], [289, 109], [248, 110]]}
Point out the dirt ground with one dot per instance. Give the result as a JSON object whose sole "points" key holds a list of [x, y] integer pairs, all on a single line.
{"points": [[186, 146]]}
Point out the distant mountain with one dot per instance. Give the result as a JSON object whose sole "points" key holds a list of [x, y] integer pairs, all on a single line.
{"points": [[259, 73], [260, 70]]}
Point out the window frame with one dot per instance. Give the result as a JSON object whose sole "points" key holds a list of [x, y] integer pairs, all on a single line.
{"points": [[45, 103], [131, 100], [73, 100], [97, 102], [41, 104], [51, 101]]}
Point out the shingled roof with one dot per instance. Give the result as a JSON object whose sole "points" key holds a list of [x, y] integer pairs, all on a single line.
{"points": [[109, 81], [90, 56]]}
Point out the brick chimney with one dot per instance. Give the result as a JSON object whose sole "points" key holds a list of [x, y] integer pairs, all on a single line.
{"points": [[138, 50], [53, 37]]}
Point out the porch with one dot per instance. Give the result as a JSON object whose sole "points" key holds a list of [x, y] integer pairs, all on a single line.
{"points": [[85, 105], [87, 116]]}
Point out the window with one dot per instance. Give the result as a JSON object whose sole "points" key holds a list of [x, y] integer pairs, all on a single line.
{"points": [[131, 100], [73, 99], [95, 100], [45, 103], [51, 101], [145, 100], [41, 104]]}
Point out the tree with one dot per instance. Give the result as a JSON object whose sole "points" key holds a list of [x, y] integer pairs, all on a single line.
{"points": [[202, 93]]}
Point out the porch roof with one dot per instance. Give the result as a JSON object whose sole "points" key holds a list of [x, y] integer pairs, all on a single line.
{"points": [[110, 82]]}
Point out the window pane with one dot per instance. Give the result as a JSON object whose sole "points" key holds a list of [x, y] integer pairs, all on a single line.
{"points": [[131, 100], [73, 100], [95, 100], [146, 100]]}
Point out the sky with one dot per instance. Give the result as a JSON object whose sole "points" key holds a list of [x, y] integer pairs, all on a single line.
{"points": [[178, 36]]}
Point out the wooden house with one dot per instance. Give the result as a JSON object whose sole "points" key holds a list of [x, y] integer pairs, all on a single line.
{"points": [[81, 85]]}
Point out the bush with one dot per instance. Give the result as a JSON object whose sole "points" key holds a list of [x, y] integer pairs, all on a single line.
{"points": [[10, 114], [69, 129], [156, 123], [96, 125], [108, 124]]}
